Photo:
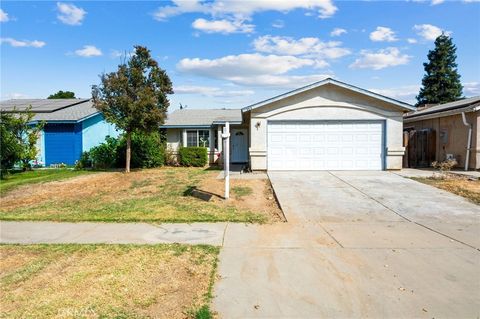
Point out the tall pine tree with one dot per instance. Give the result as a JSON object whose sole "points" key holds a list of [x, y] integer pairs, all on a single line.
{"points": [[441, 82]]}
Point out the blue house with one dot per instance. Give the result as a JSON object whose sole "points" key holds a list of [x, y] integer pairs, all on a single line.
{"points": [[72, 126]]}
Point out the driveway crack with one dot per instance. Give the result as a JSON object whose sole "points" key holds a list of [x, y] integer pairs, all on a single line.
{"points": [[395, 212]]}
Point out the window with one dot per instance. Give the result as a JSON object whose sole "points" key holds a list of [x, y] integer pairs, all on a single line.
{"points": [[204, 138], [191, 138], [198, 138]]}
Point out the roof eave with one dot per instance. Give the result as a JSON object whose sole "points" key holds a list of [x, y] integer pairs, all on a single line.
{"points": [[403, 105], [66, 121], [443, 113], [185, 126]]}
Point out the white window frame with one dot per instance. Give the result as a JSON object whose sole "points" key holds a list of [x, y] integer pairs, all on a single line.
{"points": [[185, 142]]}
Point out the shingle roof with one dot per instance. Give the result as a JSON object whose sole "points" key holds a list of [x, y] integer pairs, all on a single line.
{"points": [[202, 117], [460, 105], [70, 110]]}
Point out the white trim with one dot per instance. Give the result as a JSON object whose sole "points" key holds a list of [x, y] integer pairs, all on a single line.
{"points": [[400, 104]]}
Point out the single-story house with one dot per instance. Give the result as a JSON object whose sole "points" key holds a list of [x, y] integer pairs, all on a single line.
{"points": [[72, 126], [446, 129], [328, 125]]}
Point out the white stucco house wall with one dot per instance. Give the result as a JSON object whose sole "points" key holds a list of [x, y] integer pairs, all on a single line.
{"points": [[328, 125]]}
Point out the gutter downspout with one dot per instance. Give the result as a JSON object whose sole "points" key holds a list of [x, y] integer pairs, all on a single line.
{"points": [[469, 140]]}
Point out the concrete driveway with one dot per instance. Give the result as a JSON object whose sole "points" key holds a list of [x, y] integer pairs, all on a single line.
{"points": [[357, 244]]}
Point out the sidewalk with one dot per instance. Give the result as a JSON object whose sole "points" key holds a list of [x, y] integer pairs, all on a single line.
{"points": [[110, 233]]}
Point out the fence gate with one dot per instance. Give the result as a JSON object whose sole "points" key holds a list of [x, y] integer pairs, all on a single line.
{"points": [[420, 148]]}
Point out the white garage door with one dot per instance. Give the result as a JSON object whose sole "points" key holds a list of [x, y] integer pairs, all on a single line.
{"points": [[325, 145]]}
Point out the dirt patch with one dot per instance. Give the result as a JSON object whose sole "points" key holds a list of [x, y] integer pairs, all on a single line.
{"points": [[165, 281], [456, 184], [261, 197]]}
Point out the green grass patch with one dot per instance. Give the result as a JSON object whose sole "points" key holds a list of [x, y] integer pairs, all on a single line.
{"points": [[241, 191], [20, 178], [154, 195]]}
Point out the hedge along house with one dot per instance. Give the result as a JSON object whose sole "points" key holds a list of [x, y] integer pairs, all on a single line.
{"points": [[203, 127], [328, 125], [442, 131], [72, 126]]}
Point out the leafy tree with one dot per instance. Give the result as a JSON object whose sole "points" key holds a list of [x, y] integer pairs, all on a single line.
{"points": [[134, 97], [62, 95], [441, 82], [17, 139]]}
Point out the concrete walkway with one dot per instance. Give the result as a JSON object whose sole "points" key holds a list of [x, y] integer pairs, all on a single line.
{"points": [[357, 245], [111, 233]]}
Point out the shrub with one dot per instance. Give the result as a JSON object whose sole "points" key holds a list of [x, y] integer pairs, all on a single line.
{"points": [[105, 155], [171, 159], [85, 161], [147, 151], [193, 156], [444, 166]]}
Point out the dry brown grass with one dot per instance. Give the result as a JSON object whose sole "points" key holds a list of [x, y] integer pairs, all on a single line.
{"points": [[92, 281], [153, 195], [459, 185]]}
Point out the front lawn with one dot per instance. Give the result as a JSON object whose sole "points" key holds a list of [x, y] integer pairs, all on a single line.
{"points": [[153, 195], [106, 281], [459, 185], [19, 178]]}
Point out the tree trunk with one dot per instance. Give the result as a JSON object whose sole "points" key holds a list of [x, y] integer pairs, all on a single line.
{"points": [[129, 149]]}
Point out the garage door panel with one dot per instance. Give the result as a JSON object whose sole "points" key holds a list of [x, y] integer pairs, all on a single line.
{"points": [[325, 145]]}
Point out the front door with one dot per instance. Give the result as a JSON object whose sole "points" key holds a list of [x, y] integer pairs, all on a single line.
{"points": [[239, 146]]}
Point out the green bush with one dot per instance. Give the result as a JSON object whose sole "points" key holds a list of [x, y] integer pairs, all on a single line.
{"points": [[105, 155], [84, 161], [147, 151], [193, 156]]}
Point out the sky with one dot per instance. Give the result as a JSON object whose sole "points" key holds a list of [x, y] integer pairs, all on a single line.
{"points": [[230, 54]]}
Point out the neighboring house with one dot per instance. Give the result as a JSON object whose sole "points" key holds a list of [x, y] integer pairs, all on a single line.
{"points": [[446, 128], [72, 126], [329, 125]]}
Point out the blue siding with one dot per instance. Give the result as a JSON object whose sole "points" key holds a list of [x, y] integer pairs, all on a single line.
{"points": [[63, 143], [95, 129]]}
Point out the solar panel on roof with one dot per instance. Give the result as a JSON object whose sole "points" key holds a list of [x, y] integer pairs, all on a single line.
{"points": [[38, 105]]}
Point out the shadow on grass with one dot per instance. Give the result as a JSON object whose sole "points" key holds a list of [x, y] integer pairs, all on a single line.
{"points": [[200, 194]]}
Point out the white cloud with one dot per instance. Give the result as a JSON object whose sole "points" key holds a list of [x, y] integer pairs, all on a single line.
{"points": [[381, 59], [222, 26], [278, 24], [435, 2], [244, 9], [3, 16], [280, 81], [210, 91], [23, 43], [243, 64], [471, 88], [429, 32], [88, 51], [70, 14], [382, 34], [337, 32], [406, 93], [411, 40], [253, 69], [307, 47], [14, 96]]}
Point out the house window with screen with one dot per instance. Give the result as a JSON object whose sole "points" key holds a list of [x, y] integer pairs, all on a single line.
{"points": [[198, 138]]}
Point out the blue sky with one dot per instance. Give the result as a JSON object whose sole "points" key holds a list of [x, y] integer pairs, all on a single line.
{"points": [[234, 53]]}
